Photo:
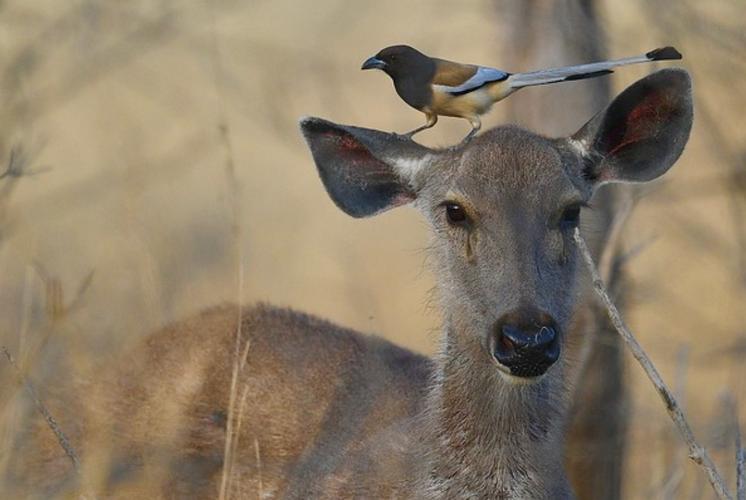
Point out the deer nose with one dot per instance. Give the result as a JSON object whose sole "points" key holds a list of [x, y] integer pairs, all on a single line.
{"points": [[526, 348]]}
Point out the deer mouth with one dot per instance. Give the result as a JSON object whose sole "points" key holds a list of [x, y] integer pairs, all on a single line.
{"points": [[525, 353]]}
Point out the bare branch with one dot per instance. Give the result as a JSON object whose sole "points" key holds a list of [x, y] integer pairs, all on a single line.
{"points": [[234, 189], [18, 165], [740, 480], [57, 308], [740, 452], [676, 471], [51, 422], [258, 468], [697, 453], [611, 248], [633, 252]]}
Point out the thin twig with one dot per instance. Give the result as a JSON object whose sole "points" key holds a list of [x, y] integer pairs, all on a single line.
{"points": [[234, 414], [18, 165], [51, 422], [57, 308], [607, 259], [610, 252], [676, 471], [727, 431], [634, 251], [697, 453], [740, 479], [258, 468], [740, 456]]}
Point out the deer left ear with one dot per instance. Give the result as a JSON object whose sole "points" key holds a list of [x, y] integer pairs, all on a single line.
{"points": [[642, 133], [365, 171]]}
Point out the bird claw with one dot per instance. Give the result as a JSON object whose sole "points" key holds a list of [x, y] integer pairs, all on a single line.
{"points": [[407, 136], [466, 140]]}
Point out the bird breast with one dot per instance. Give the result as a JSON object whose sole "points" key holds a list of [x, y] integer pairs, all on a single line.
{"points": [[474, 103]]}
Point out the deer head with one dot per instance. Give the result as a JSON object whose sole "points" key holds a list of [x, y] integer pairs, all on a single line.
{"points": [[503, 207]]}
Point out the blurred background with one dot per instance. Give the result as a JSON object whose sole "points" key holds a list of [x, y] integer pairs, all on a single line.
{"points": [[151, 166]]}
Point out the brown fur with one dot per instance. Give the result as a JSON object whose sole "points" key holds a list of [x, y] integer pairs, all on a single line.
{"points": [[177, 427]]}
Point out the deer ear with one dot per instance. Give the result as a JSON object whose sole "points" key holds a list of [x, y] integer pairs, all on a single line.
{"points": [[364, 171], [642, 133]]}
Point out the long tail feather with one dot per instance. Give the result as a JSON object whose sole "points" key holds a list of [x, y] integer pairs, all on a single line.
{"points": [[590, 70]]}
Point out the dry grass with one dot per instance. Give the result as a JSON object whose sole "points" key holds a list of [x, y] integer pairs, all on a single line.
{"points": [[181, 183]]}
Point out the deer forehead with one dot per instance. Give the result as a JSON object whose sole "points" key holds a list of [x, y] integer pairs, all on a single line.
{"points": [[509, 163]]}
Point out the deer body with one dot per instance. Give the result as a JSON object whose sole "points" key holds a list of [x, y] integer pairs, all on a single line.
{"points": [[359, 421], [327, 412]]}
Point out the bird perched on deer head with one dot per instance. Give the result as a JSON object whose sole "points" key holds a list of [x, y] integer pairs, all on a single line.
{"points": [[439, 87]]}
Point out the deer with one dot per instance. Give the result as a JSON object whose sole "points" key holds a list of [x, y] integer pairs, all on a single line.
{"points": [[327, 412]]}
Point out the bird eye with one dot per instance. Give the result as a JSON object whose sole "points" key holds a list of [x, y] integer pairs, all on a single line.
{"points": [[570, 217], [456, 214]]}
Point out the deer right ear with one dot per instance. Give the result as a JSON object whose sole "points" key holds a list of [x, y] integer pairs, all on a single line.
{"points": [[365, 171], [642, 133]]}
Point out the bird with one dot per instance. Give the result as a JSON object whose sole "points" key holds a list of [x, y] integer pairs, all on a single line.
{"points": [[438, 87]]}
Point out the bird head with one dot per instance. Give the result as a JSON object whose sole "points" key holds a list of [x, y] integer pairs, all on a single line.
{"points": [[400, 60]]}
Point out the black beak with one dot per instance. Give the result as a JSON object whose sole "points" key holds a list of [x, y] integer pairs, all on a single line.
{"points": [[373, 63]]}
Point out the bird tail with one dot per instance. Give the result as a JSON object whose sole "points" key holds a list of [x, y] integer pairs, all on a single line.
{"points": [[591, 70]]}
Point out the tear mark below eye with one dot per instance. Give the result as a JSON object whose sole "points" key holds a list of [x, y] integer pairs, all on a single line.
{"points": [[563, 256], [470, 244]]}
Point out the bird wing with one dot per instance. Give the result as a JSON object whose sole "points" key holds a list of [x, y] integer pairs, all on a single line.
{"points": [[458, 79]]}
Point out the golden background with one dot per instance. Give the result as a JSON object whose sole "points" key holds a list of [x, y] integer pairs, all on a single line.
{"points": [[131, 115]]}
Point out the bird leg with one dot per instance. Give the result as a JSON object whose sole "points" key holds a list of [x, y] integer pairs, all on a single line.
{"points": [[476, 124], [432, 119]]}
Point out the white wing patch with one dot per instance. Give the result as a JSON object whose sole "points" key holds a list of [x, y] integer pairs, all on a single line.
{"points": [[482, 77]]}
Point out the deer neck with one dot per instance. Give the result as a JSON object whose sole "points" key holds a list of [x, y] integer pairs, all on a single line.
{"points": [[492, 437]]}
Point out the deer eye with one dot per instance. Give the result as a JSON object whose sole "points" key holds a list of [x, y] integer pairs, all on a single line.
{"points": [[455, 214], [570, 217]]}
